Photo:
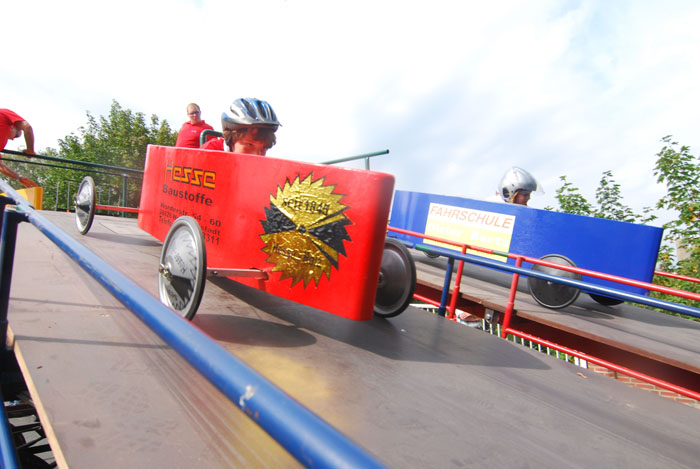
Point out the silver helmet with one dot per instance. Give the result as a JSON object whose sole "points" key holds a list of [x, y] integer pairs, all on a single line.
{"points": [[249, 112], [514, 180]]}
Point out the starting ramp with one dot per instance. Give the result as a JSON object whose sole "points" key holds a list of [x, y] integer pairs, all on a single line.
{"points": [[414, 391]]}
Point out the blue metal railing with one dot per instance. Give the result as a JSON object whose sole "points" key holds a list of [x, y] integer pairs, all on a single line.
{"points": [[8, 457], [311, 440]]}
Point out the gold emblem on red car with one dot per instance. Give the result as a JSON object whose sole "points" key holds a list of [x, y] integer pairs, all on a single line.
{"points": [[304, 229]]}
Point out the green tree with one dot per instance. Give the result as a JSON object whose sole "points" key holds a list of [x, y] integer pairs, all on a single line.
{"points": [[608, 202], [609, 199], [570, 200], [118, 139], [679, 170]]}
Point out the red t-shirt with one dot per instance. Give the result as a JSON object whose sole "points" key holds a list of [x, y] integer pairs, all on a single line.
{"points": [[214, 144], [189, 134], [8, 119]]}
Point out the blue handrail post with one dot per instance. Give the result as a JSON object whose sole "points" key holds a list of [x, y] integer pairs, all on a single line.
{"points": [[446, 286], [10, 220], [8, 452], [8, 241], [4, 200]]}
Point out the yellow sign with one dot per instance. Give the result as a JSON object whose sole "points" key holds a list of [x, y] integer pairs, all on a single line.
{"points": [[33, 195], [488, 230]]}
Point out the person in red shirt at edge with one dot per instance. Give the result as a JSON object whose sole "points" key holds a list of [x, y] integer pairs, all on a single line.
{"points": [[249, 126], [11, 127], [188, 136]]}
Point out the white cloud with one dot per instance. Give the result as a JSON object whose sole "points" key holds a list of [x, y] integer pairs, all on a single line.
{"points": [[458, 91]]}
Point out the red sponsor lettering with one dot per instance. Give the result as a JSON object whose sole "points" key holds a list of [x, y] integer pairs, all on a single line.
{"points": [[191, 176]]}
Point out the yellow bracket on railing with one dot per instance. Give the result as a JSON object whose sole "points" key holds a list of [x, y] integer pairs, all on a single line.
{"points": [[33, 195]]}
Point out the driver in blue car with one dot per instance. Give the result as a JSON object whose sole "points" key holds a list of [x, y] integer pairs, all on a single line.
{"points": [[517, 185]]}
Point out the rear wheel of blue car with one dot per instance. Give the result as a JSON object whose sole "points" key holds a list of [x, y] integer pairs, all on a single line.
{"points": [[606, 300], [549, 293]]}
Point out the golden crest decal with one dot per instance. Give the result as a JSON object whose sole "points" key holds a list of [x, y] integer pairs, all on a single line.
{"points": [[305, 229]]}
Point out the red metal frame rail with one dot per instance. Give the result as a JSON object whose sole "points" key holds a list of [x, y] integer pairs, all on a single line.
{"points": [[116, 208], [676, 276], [519, 259]]}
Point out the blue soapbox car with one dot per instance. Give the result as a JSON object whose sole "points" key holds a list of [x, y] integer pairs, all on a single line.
{"points": [[611, 247]]}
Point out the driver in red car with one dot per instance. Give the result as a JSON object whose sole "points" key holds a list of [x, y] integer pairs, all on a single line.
{"points": [[249, 126]]}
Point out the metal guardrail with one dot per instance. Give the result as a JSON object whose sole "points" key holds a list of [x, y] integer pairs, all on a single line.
{"points": [[519, 258], [676, 276], [124, 173], [366, 156], [208, 133], [588, 287], [307, 437], [75, 162], [49, 165]]}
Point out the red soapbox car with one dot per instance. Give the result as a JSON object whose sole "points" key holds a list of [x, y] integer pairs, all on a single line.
{"points": [[311, 233]]}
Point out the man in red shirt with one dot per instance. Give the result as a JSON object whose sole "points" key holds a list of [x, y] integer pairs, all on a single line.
{"points": [[11, 127], [190, 131], [249, 126]]}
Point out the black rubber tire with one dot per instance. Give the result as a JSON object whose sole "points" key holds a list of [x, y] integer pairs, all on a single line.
{"points": [[85, 205], [550, 294], [183, 289], [397, 280], [606, 300]]}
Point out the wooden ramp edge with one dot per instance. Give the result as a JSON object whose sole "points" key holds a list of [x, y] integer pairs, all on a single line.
{"points": [[36, 401]]}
